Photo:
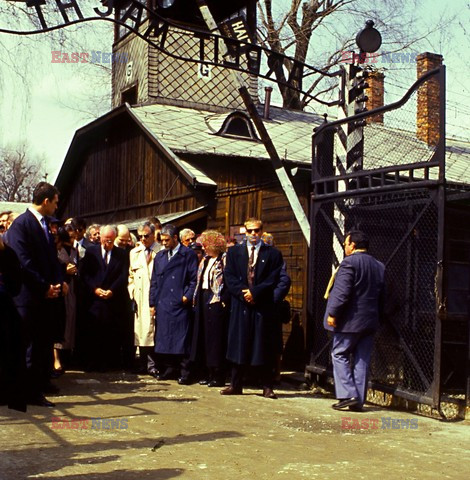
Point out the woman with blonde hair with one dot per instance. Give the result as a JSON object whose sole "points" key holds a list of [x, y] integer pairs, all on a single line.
{"points": [[211, 313]]}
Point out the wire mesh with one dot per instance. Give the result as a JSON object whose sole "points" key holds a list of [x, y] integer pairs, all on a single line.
{"points": [[403, 235]]}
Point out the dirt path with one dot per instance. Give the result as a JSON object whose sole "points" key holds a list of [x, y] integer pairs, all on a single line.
{"points": [[144, 429]]}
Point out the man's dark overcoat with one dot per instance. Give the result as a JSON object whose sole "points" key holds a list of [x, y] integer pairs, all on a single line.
{"points": [[252, 328], [12, 355], [40, 268], [38, 259], [95, 274], [171, 281]]}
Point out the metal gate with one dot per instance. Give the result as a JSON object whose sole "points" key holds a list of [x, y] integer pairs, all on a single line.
{"points": [[396, 193]]}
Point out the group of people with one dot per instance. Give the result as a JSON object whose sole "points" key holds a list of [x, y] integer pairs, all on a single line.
{"points": [[194, 309]]}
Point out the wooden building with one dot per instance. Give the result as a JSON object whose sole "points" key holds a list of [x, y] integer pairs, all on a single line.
{"points": [[178, 145]]}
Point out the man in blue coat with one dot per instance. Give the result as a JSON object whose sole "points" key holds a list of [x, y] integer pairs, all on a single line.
{"points": [[171, 291], [355, 304], [43, 282], [252, 274]]}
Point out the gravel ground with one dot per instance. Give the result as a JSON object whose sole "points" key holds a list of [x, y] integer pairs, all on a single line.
{"points": [[119, 426]]}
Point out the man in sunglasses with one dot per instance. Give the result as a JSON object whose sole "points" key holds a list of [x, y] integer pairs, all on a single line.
{"points": [[252, 273], [140, 273]]}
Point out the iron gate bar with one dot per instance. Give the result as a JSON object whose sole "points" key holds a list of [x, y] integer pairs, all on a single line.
{"points": [[373, 190], [380, 172], [440, 303]]}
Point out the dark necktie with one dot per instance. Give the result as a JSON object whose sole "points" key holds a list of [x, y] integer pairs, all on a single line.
{"points": [[44, 227], [148, 254], [170, 254], [251, 267]]}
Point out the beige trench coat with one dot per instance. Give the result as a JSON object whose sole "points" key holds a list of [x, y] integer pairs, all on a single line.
{"points": [[140, 274]]}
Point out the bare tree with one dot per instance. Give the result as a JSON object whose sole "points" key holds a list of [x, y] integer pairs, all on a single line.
{"points": [[20, 171], [317, 32]]}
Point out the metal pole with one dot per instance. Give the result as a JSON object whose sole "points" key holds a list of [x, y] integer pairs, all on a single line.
{"points": [[281, 173]]}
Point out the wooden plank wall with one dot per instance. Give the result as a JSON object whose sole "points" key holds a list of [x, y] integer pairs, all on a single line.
{"points": [[123, 176]]}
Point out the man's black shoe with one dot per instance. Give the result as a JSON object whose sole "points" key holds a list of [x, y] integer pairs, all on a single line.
{"points": [[184, 381], [346, 402], [355, 408], [40, 401], [168, 374]]}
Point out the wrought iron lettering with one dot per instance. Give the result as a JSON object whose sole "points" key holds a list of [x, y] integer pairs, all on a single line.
{"points": [[243, 56]]}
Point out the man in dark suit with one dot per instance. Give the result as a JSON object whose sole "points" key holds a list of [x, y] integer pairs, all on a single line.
{"points": [[252, 273], [104, 271], [355, 304], [171, 292], [29, 236]]}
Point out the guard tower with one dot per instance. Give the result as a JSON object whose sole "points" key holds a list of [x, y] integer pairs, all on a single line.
{"points": [[144, 75]]}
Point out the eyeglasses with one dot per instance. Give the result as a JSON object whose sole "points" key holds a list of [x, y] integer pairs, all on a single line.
{"points": [[109, 242], [253, 230], [144, 235], [191, 239]]}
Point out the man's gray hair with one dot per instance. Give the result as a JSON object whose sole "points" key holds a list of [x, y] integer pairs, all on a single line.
{"points": [[170, 230], [94, 226], [105, 228], [149, 225], [186, 231]]}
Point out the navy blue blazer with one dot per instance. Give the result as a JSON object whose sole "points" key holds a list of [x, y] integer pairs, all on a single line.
{"points": [[356, 299], [38, 258]]}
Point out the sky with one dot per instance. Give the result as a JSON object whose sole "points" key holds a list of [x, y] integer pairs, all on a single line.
{"points": [[45, 102]]}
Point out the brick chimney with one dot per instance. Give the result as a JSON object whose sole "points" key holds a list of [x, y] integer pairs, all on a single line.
{"points": [[427, 113], [375, 95]]}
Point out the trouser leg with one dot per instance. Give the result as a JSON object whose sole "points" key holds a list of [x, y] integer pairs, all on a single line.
{"points": [[237, 376], [343, 344], [362, 354]]}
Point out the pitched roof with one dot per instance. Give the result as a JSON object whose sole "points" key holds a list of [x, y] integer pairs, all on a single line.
{"points": [[189, 130]]}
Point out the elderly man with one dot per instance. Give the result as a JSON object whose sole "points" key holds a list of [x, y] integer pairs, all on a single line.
{"points": [[171, 292], [123, 239], [140, 273], [104, 273], [4, 223], [43, 282], [252, 274], [187, 236], [92, 236], [354, 306]]}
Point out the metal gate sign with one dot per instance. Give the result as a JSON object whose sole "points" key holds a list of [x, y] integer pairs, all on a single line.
{"points": [[244, 56]]}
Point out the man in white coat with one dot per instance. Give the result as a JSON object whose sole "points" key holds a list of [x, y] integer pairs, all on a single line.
{"points": [[140, 272]]}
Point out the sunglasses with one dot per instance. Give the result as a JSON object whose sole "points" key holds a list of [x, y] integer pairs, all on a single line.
{"points": [[145, 235], [253, 230]]}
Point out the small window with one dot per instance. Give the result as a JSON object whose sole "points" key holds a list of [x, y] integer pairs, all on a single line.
{"points": [[238, 125], [129, 96]]}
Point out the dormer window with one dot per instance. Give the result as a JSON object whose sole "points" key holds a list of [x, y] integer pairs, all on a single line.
{"points": [[238, 125]]}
